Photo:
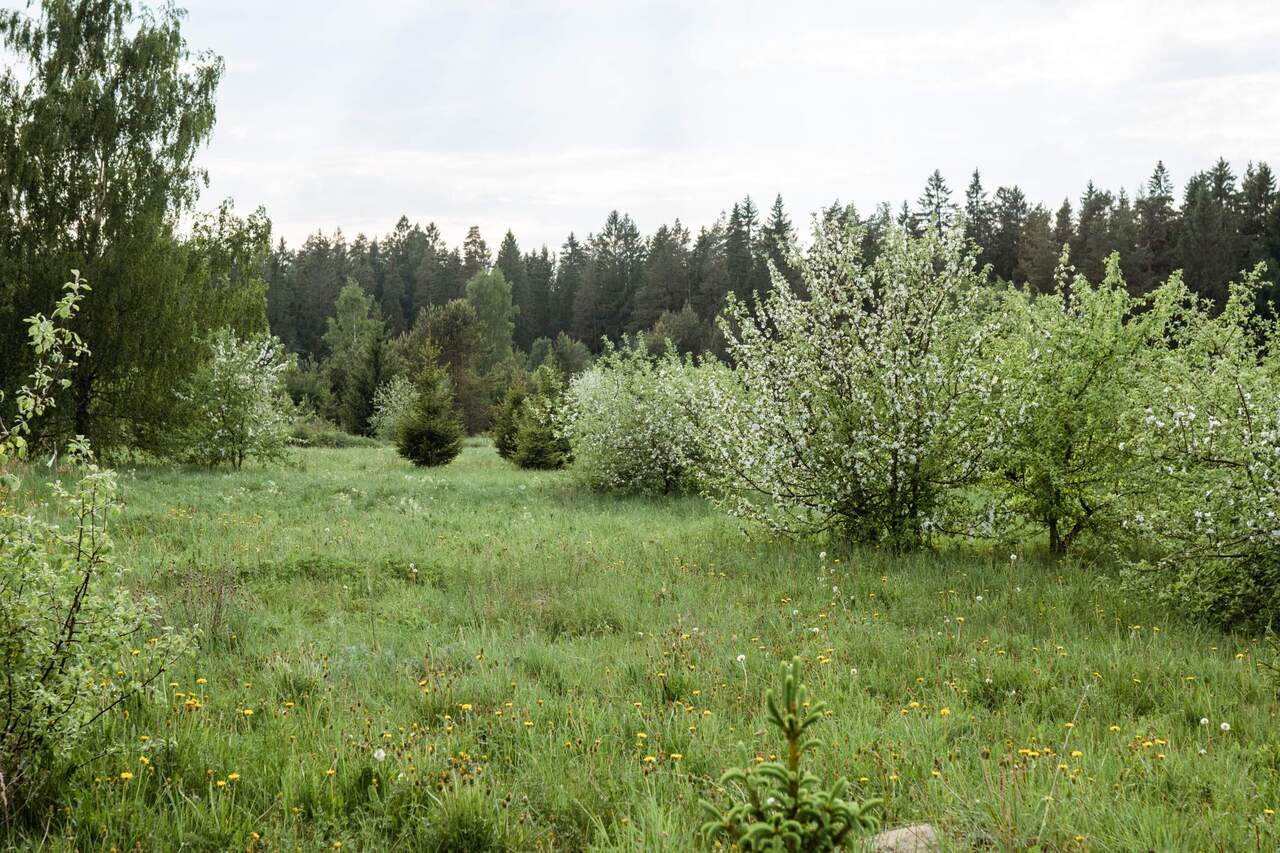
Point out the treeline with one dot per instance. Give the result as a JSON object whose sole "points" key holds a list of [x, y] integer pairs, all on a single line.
{"points": [[673, 283]]}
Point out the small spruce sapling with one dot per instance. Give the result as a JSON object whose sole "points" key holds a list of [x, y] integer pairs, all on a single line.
{"points": [[787, 809]]}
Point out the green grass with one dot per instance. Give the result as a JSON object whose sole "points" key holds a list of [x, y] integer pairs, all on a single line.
{"points": [[507, 639]]}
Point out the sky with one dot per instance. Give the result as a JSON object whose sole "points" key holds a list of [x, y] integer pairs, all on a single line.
{"points": [[542, 116]]}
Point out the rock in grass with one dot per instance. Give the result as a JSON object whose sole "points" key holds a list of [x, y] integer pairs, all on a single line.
{"points": [[913, 838]]}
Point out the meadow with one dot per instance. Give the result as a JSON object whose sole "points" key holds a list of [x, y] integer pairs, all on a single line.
{"points": [[477, 657]]}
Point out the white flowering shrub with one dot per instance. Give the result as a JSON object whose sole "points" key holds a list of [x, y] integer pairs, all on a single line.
{"points": [[631, 421], [74, 642], [391, 402], [239, 408], [1076, 367], [865, 407], [1211, 430]]}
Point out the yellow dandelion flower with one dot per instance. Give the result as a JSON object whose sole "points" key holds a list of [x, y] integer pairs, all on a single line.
{"points": [[649, 759], [945, 712], [126, 776], [234, 777]]}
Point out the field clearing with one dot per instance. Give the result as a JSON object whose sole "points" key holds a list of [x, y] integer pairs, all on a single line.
{"points": [[478, 656]]}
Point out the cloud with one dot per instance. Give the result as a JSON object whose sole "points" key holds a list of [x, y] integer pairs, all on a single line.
{"points": [[543, 117]]}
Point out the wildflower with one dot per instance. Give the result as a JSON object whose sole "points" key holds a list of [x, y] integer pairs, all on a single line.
{"points": [[1226, 727], [1113, 728], [465, 706], [1204, 721], [234, 777], [222, 783], [126, 776], [946, 712], [248, 712], [1075, 753], [675, 756], [331, 772], [379, 754], [201, 681], [649, 759], [742, 658]]}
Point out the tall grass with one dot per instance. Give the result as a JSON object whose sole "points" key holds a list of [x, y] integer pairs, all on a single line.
{"points": [[477, 657]]}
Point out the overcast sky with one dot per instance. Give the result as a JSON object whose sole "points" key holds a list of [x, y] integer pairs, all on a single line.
{"points": [[542, 116]]}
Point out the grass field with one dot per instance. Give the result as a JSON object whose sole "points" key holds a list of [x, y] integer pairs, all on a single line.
{"points": [[477, 657]]}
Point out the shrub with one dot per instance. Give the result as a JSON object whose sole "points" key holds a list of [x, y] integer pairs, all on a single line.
{"points": [[787, 809], [1075, 367], [238, 405], [538, 441], [630, 421], [864, 408], [1211, 429], [506, 419], [431, 431], [391, 402], [73, 646]]}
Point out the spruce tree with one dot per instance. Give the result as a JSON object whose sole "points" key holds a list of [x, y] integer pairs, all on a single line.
{"points": [[541, 269], [539, 444], [1092, 242], [571, 268], [665, 285], [1038, 252], [430, 433], [979, 219], [934, 208], [506, 418], [778, 238], [512, 265], [1157, 229], [1011, 212]]}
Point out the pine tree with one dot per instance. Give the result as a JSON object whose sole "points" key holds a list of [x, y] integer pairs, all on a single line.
{"points": [[571, 268], [605, 297], [1092, 242], [430, 433], [979, 220], [539, 444], [475, 254], [1210, 248], [666, 284], [511, 263], [1064, 226], [778, 239], [934, 208], [1038, 252], [541, 268], [907, 220], [1157, 229], [1122, 237], [708, 272], [506, 419], [1011, 212]]}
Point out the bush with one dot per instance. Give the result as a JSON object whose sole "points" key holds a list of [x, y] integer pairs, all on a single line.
{"points": [[630, 421], [73, 646], [538, 441], [1075, 367], [391, 402], [431, 431], [864, 408], [314, 431], [1211, 431], [238, 406]]}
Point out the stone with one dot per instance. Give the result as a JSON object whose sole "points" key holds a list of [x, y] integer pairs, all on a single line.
{"points": [[913, 838]]}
